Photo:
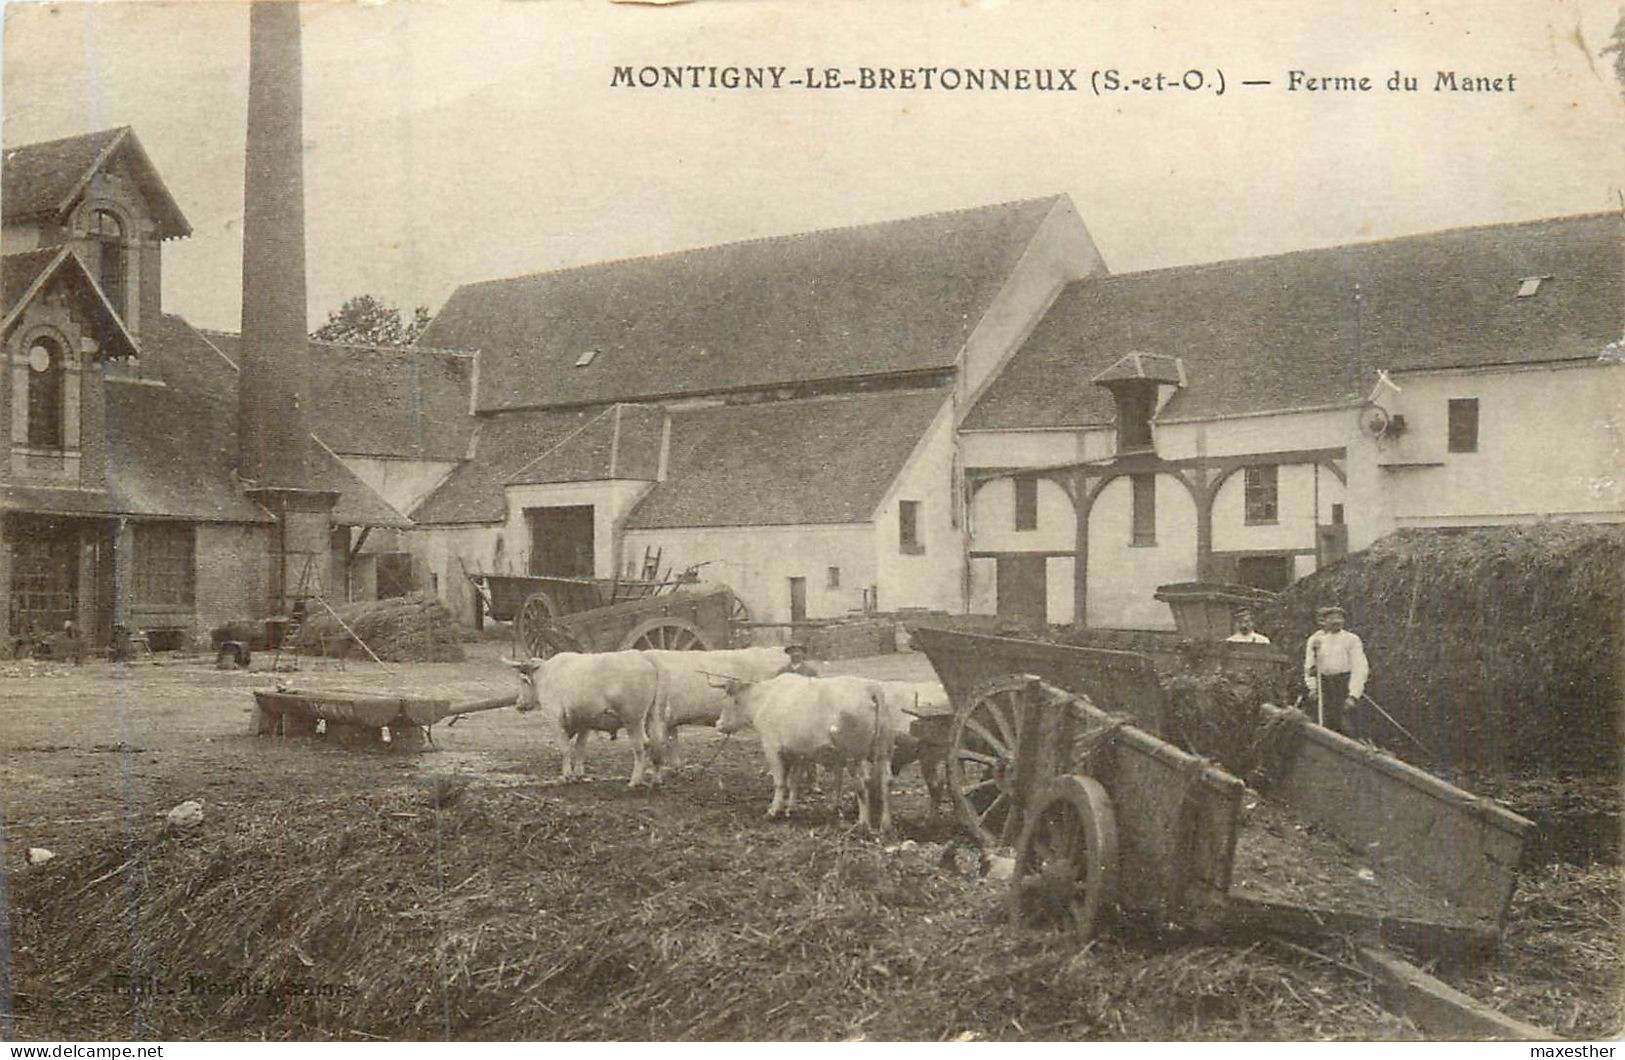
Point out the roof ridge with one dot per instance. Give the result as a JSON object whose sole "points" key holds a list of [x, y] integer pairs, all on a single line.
{"points": [[36, 144], [1384, 241], [605, 263], [371, 347]]}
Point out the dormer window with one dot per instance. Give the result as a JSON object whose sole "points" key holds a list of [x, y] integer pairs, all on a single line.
{"points": [[1135, 405], [1135, 382], [111, 266], [47, 370]]}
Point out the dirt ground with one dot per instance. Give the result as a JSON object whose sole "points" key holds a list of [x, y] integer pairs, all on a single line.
{"points": [[681, 915]]}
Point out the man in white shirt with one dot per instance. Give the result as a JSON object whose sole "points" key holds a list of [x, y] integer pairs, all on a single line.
{"points": [[1245, 633], [1335, 669]]}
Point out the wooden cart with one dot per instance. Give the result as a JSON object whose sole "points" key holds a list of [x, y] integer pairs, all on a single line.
{"points": [[608, 614], [1055, 751]]}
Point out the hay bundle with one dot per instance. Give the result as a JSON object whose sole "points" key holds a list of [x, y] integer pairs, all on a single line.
{"points": [[1495, 647], [413, 628]]}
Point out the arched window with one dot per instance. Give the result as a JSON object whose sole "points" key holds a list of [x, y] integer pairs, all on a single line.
{"points": [[107, 231], [46, 373]]}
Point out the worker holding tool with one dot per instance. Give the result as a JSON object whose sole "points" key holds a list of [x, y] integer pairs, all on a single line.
{"points": [[1335, 669]]}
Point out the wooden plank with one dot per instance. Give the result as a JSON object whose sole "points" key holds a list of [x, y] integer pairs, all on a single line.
{"points": [[1463, 943], [1438, 1008], [1466, 848]]}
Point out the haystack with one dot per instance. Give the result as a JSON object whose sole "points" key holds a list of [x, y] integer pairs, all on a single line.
{"points": [[412, 628], [1494, 647]]}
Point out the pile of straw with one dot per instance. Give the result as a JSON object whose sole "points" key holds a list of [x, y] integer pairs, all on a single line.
{"points": [[413, 628], [1493, 647]]}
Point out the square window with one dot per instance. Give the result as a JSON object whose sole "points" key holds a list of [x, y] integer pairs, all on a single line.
{"points": [[1261, 487], [1463, 425], [1145, 509], [1026, 502]]}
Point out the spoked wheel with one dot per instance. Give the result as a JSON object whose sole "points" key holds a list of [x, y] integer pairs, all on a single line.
{"points": [[665, 634], [1066, 859], [535, 614], [982, 759]]}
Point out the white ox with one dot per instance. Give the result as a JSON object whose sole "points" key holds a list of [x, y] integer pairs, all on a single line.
{"points": [[694, 679], [839, 722], [606, 691]]}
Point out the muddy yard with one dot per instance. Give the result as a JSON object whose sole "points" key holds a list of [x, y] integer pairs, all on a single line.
{"points": [[461, 893]]}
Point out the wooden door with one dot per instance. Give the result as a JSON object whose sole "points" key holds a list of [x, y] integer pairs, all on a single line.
{"points": [[1021, 588]]}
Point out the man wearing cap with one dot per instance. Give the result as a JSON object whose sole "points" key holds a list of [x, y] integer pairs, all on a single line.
{"points": [[1335, 669], [1245, 633], [798, 663]]}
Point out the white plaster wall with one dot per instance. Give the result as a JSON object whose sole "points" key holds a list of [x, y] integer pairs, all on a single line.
{"points": [[931, 578], [437, 550], [19, 236], [611, 501], [1059, 252], [1243, 435], [403, 483], [993, 519], [1298, 486], [1033, 448], [1058, 590], [1122, 576], [757, 563], [1551, 444]]}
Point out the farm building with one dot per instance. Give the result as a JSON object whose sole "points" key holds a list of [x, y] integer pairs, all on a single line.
{"points": [[1249, 421], [120, 502]]}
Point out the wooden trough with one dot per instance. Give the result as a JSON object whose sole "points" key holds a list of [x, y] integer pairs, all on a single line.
{"points": [[399, 721]]}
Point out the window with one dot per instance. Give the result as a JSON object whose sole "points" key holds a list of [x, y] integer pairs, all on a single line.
{"points": [[1135, 405], [163, 568], [834, 579], [46, 391], [1337, 515], [1463, 417], [908, 527], [1261, 494], [1145, 509], [1026, 502], [586, 358], [108, 234]]}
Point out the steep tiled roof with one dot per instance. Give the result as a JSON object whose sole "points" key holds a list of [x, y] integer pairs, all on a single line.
{"points": [[503, 445], [409, 402], [622, 442], [47, 177], [900, 296], [30, 271], [1310, 328], [815, 461]]}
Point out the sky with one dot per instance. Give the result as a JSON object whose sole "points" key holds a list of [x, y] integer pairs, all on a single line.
{"points": [[451, 142]]}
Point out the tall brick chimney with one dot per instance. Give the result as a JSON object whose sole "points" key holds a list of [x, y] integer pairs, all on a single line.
{"points": [[275, 453]]}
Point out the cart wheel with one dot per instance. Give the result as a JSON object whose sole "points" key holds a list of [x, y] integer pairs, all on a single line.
{"points": [[739, 634], [982, 758], [537, 612], [665, 634], [1066, 859], [543, 640]]}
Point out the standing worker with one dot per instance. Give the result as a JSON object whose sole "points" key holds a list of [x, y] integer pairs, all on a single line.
{"points": [[1245, 633], [1335, 669], [798, 663]]}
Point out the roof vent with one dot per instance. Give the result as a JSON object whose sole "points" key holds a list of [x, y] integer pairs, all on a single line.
{"points": [[586, 358], [1529, 285]]}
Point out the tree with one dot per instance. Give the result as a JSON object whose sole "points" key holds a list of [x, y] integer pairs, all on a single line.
{"points": [[1617, 47], [366, 321]]}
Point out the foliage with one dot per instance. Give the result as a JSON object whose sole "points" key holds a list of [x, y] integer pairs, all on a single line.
{"points": [[1617, 48], [365, 320]]}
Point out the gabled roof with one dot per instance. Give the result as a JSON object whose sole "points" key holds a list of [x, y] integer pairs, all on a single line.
{"points": [[622, 442], [502, 445], [24, 275], [1310, 329], [384, 401], [814, 461], [47, 178], [877, 299]]}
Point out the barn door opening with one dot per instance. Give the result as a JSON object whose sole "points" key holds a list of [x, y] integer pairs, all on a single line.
{"points": [[1021, 588], [561, 541]]}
